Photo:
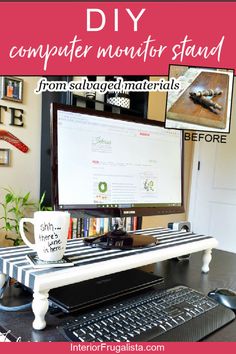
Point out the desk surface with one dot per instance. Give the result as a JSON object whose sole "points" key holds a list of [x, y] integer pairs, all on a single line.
{"points": [[222, 274]]}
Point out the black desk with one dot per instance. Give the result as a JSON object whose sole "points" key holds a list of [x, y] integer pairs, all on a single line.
{"points": [[222, 274]]}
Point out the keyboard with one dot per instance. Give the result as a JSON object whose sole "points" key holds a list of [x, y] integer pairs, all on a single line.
{"points": [[175, 314]]}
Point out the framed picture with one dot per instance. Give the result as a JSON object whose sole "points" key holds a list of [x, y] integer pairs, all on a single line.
{"points": [[4, 157], [12, 89]]}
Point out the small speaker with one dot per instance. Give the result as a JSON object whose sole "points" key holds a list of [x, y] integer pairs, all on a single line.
{"points": [[181, 226]]}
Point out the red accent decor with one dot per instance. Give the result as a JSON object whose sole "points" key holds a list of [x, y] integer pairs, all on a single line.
{"points": [[13, 140]]}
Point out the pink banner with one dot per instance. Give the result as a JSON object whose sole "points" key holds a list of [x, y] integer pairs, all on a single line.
{"points": [[121, 38], [108, 348]]}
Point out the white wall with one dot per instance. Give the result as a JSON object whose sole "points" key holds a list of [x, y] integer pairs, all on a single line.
{"points": [[23, 174]]}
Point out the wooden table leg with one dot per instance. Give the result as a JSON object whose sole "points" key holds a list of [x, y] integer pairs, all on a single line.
{"points": [[2, 282], [206, 258], [40, 308]]}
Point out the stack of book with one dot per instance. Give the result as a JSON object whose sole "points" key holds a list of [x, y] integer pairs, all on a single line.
{"points": [[85, 227]]}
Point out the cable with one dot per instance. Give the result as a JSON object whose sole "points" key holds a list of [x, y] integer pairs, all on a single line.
{"points": [[12, 308], [16, 308]]}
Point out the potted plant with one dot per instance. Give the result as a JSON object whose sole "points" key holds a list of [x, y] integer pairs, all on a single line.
{"points": [[15, 207]]}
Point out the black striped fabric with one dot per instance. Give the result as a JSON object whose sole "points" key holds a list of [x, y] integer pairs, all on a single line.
{"points": [[14, 263]]}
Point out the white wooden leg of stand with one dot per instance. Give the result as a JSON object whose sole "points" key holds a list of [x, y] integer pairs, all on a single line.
{"points": [[206, 258], [40, 307], [2, 282]]}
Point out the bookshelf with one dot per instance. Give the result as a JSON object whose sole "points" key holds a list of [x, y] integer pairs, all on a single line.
{"points": [[138, 100]]}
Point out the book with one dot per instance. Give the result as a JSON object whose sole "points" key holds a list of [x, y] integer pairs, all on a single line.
{"points": [[128, 223], [106, 225], [135, 223], [70, 230], [74, 227], [92, 226], [98, 226], [85, 227], [79, 228], [101, 226], [38, 263]]}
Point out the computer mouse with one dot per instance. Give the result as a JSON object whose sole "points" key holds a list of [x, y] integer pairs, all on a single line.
{"points": [[224, 297]]}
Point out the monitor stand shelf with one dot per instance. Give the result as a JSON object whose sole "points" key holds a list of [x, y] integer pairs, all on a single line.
{"points": [[92, 263]]}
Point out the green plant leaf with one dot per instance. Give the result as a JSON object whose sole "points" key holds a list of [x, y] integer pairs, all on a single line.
{"points": [[8, 226], [17, 242], [26, 197], [12, 210], [48, 209], [42, 198], [8, 198]]}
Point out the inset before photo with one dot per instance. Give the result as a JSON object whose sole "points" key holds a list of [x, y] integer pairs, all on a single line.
{"points": [[204, 100]]}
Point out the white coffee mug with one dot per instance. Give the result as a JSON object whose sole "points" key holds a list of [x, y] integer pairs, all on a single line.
{"points": [[50, 234]]}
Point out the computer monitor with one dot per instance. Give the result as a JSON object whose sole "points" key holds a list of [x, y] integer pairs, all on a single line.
{"points": [[111, 165]]}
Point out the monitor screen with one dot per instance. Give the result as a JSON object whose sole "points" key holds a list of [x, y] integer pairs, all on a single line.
{"points": [[113, 165]]}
